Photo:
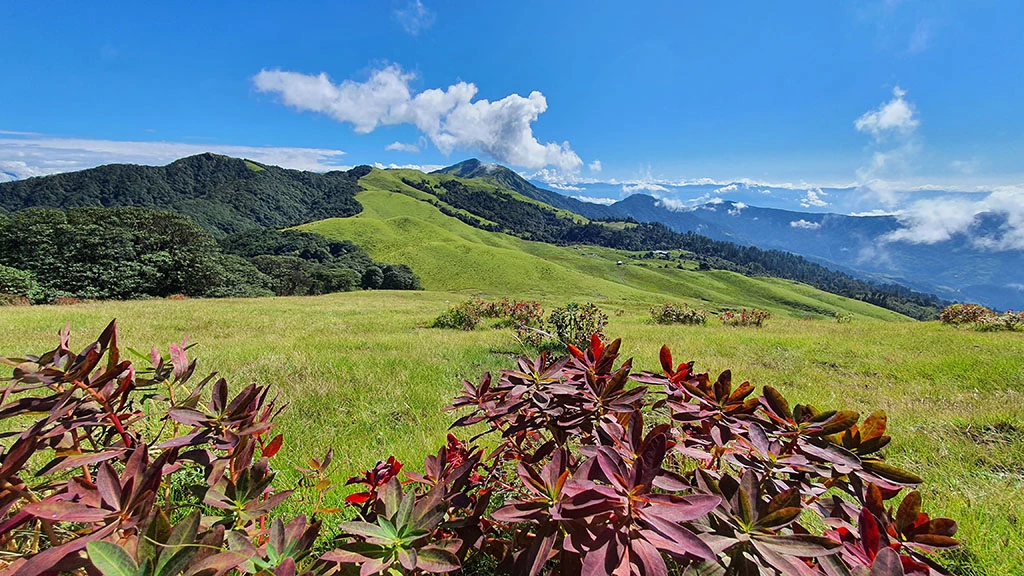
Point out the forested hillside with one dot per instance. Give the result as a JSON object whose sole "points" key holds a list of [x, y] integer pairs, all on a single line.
{"points": [[222, 194], [49, 254]]}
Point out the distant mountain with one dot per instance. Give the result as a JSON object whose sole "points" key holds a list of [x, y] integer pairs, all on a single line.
{"points": [[955, 269], [222, 194], [505, 178]]}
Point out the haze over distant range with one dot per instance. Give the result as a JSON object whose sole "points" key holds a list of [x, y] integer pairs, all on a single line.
{"points": [[908, 108]]}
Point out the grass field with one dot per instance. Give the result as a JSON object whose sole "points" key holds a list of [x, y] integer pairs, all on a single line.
{"points": [[363, 373]]}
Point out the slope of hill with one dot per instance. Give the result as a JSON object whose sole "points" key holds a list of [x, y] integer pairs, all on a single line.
{"points": [[401, 225], [222, 194]]}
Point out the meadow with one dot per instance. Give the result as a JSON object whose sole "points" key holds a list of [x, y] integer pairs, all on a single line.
{"points": [[363, 373]]}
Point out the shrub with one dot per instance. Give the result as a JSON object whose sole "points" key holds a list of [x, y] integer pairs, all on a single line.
{"points": [[19, 283], [13, 300], [754, 317], [527, 319], [843, 317], [464, 316], [672, 314], [1010, 320], [66, 301], [726, 483], [960, 314], [576, 323], [177, 297]]}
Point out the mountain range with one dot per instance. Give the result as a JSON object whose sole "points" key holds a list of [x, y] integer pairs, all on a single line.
{"points": [[227, 195], [956, 269]]}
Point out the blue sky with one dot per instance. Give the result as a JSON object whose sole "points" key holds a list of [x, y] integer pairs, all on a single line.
{"points": [[884, 98]]}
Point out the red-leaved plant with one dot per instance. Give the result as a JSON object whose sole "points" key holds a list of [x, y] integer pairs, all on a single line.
{"points": [[722, 482]]}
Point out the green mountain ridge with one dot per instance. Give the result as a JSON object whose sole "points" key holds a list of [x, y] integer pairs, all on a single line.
{"points": [[227, 195]]}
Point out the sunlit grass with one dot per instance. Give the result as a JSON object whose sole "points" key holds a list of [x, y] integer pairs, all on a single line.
{"points": [[362, 373]]}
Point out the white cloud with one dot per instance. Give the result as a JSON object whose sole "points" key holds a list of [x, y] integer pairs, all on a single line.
{"points": [[402, 147], [425, 168], [38, 155], [415, 17], [450, 117], [876, 212], [895, 116], [939, 219], [595, 166], [565, 187], [674, 205], [737, 208], [730, 188], [805, 225], [592, 200], [639, 186], [813, 198]]}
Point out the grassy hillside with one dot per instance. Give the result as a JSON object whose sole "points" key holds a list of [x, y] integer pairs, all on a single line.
{"points": [[362, 373], [447, 254]]}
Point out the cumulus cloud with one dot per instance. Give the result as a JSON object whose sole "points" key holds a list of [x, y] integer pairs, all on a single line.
{"points": [[39, 155], [415, 17], [674, 205], [893, 117], [737, 208], [940, 219], [814, 198], [566, 187], [595, 166], [449, 117], [730, 188], [402, 147], [805, 225], [593, 200]]}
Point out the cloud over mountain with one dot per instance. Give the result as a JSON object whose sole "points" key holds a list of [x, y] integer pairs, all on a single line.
{"points": [[452, 118]]}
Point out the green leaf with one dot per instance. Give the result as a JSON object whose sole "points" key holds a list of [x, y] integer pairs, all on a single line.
{"points": [[184, 533], [891, 473], [436, 560], [111, 559]]}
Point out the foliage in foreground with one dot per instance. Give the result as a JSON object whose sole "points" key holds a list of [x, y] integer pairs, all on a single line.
{"points": [[982, 318], [723, 482]]}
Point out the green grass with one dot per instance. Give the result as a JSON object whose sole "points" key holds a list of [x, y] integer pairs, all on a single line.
{"points": [[397, 226], [362, 373]]}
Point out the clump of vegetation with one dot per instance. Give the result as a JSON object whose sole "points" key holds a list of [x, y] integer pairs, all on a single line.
{"points": [[1009, 320], [726, 482], [575, 323], [464, 316], [960, 314], [754, 317], [982, 318], [843, 317], [670, 313]]}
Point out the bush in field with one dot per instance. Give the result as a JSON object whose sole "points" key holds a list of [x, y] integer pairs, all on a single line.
{"points": [[20, 283], [673, 314], [754, 317], [843, 317], [960, 314], [1010, 320], [981, 318], [464, 316], [13, 300], [575, 323], [104, 454], [527, 319]]}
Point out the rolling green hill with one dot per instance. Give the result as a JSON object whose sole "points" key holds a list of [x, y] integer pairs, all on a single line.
{"points": [[222, 194], [401, 224]]}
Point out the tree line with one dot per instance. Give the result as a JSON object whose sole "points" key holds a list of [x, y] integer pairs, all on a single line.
{"points": [[127, 253]]}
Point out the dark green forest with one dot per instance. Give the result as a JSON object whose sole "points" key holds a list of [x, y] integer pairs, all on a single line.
{"points": [[127, 253], [223, 195], [531, 221]]}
